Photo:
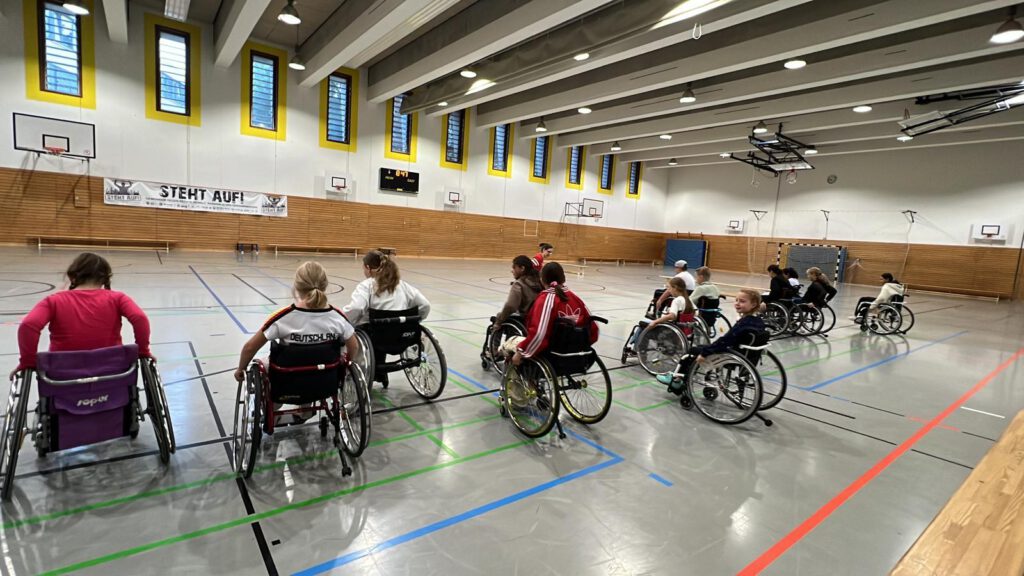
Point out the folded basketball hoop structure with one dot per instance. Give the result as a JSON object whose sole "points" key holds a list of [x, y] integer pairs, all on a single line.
{"points": [[775, 153], [993, 101]]}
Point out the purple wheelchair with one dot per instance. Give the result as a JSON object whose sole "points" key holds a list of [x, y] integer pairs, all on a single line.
{"points": [[85, 397]]}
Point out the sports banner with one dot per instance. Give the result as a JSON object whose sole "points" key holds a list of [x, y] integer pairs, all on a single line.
{"points": [[194, 198]]}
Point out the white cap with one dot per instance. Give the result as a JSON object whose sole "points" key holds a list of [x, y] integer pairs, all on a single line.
{"points": [[680, 263]]}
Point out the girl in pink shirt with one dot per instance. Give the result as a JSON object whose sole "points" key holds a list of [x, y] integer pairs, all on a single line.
{"points": [[86, 316]]}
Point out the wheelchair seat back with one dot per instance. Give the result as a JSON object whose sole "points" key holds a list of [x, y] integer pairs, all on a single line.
{"points": [[88, 395], [752, 344], [569, 349], [393, 331], [303, 373], [708, 308]]}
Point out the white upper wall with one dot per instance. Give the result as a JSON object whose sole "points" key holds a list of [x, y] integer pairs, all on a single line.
{"points": [[131, 146], [951, 188]]}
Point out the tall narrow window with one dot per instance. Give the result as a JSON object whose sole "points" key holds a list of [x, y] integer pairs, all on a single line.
{"points": [[607, 174], [500, 161], [455, 138], [263, 93], [339, 108], [539, 172], [575, 165], [401, 136], [172, 56], [60, 52], [633, 190]]}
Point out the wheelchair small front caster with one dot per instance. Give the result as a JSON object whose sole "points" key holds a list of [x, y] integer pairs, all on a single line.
{"points": [[768, 422], [685, 402], [323, 426], [346, 471]]}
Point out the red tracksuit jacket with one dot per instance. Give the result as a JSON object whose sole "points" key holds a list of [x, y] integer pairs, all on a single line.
{"points": [[544, 311]]}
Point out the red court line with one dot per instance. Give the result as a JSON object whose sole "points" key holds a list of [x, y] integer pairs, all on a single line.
{"points": [[780, 547], [943, 426]]}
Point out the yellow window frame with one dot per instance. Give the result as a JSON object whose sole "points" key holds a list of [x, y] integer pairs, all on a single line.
{"points": [[194, 117], [611, 175], [464, 165], [282, 91], [635, 195], [413, 132], [547, 162], [507, 173], [33, 73], [353, 113], [583, 168]]}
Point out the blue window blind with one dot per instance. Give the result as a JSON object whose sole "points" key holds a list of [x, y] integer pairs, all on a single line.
{"points": [[575, 161], [172, 58], [401, 126], [453, 139], [499, 160], [540, 158], [606, 171], [61, 51], [339, 106], [263, 93], [634, 178]]}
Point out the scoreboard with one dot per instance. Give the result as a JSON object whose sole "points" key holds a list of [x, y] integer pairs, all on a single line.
{"points": [[399, 180]]}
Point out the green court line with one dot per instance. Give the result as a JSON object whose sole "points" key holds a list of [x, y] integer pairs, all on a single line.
{"points": [[467, 388], [456, 336], [276, 511], [442, 445], [416, 425]]}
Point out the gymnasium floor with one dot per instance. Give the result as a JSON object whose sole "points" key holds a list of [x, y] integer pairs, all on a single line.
{"points": [[450, 488]]}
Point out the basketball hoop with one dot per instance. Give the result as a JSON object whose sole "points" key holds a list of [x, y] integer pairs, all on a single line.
{"points": [[55, 150]]}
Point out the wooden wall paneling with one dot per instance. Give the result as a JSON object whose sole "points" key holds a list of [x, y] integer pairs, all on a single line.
{"points": [[441, 233], [337, 223], [266, 230], [490, 236], [395, 227]]}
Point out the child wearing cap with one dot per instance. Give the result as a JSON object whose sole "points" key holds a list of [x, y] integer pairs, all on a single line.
{"points": [[682, 274]]}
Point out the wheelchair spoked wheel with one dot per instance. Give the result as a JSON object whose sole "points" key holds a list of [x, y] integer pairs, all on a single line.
{"points": [[828, 319], [14, 431], [886, 321], [701, 334], [495, 342], [430, 373], [248, 431], [587, 397], [365, 358], [776, 319], [529, 397], [157, 409], [906, 319], [354, 412], [773, 380], [811, 320], [660, 348], [725, 388]]}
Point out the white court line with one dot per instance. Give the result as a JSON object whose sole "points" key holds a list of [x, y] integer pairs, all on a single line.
{"points": [[983, 412]]}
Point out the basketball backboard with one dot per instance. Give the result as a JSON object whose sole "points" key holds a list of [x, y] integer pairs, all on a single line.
{"points": [[43, 135]]}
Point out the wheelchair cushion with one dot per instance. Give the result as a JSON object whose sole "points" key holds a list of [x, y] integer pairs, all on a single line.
{"points": [[569, 349], [91, 412], [394, 331], [304, 373]]}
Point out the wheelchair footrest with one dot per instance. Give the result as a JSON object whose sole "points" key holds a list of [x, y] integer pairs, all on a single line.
{"points": [[389, 367]]}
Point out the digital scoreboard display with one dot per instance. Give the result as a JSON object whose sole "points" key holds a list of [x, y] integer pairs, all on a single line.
{"points": [[399, 180]]}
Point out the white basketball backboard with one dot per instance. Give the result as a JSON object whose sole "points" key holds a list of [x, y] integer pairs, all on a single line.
{"points": [[39, 133]]}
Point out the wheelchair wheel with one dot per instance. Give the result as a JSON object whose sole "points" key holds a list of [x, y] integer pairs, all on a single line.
{"points": [[365, 358], [497, 339], [157, 409], [354, 411], [701, 334], [725, 388], [776, 319], [14, 431], [773, 380], [828, 319], [811, 320], [907, 319], [528, 395], [660, 348], [248, 431], [886, 321], [430, 372], [587, 397]]}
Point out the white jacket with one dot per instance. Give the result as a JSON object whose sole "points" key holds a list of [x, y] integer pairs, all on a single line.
{"points": [[405, 296], [889, 289]]}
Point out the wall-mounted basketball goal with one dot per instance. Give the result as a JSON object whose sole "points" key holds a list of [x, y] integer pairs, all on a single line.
{"points": [[54, 136]]}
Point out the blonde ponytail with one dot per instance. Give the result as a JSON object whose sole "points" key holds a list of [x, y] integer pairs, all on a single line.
{"points": [[311, 285]]}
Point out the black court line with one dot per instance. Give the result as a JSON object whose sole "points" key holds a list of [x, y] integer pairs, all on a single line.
{"points": [[121, 458], [844, 415], [879, 409], [941, 458], [840, 427], [979, 436], [428, 402], [159, 257], [254, 289], [200, 376]]}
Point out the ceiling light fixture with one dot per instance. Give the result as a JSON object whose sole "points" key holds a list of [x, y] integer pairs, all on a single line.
{"points": [[1010, 31], [725, 154], [541, 126], [761, 128], [479, 84], [615, 146], [810, 151], [862, 109], [289, 15], [688, 96], [467, 73], [795, 64], [442, 103], [672, 162], [76, 7], [904, 138], [581, 56], [296, 63], [176, 10], [584, 110], [665, 136]]}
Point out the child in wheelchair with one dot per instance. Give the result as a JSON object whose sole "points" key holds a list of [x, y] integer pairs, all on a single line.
{"points": [[706, 297], [747, 328], [554, 303], [680, 310], [309, 321], [891, 288], [525, 289]]}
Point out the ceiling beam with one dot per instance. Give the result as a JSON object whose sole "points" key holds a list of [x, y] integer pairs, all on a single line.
{"points": [[694, 61], [993, 72], [483, 29], [235, 22], [116, 12]]}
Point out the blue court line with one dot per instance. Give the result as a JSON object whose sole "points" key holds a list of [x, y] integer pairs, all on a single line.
{"points": [[661, 479], [442, 524], [219, 301], [880, 362], [470, 380], [274, 278]]}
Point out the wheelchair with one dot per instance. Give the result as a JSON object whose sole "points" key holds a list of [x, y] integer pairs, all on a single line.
{"points": [[400, 332], [892, 317], [709, 312], [652, 307], [660, 348], [532, 392], [491, 354], [776, 316], [301, 374], [85, 397]]}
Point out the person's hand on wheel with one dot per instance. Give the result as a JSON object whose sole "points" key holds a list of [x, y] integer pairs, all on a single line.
{"points": [[517, 358], [240, 375]]}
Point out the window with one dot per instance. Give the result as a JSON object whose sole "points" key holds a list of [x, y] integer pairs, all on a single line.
{"points": [[633, 190], [574, 168], [60, 51], [607, 174], [264, 79], [455, 136], [539, 173], [401, 130], [500, 161], [339, 107], [172, 79]]}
